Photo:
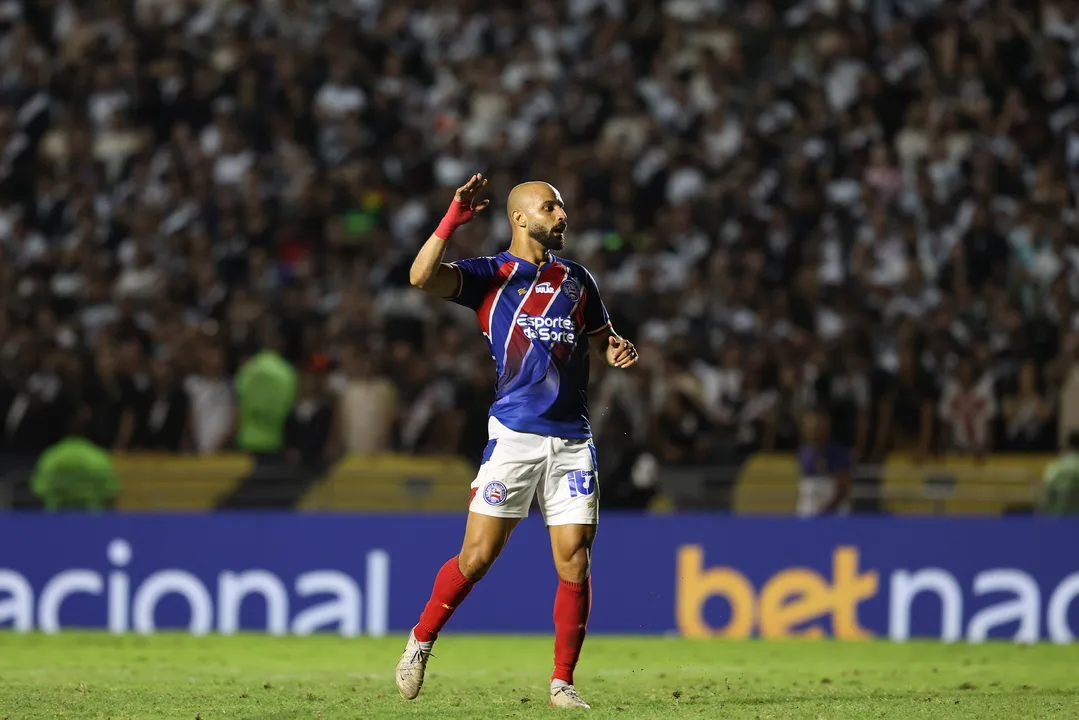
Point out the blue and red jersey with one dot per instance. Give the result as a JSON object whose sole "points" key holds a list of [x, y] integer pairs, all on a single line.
{"points": [[536, 320], [824, 462]]}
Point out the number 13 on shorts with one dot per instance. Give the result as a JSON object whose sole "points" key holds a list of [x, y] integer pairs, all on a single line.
{"points": [[581, 482]]}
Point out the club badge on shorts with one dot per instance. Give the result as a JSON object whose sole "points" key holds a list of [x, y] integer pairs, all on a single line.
{"points": [[494, 493]]}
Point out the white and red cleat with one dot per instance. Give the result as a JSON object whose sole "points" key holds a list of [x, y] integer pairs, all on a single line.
{"points": [[412, 666], [564, 695]]}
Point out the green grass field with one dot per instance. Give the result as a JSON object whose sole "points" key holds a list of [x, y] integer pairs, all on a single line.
{"points": [[89, 675]]}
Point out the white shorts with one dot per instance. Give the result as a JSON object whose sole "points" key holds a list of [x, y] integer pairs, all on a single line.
{"points": [[559, 472], [814, 494]]}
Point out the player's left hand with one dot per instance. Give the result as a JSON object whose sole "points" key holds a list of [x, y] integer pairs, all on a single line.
{"points": [[620, 352]]}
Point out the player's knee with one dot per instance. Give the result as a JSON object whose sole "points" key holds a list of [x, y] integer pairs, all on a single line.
{"points": [[573, 564], [476, 558]]}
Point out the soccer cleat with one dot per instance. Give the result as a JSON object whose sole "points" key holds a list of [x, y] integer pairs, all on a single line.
{"points": [[412, 666], [565, 696]]}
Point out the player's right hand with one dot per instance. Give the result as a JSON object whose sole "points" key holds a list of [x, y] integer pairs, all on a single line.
{"points": [[463, 208], [465, 198]]}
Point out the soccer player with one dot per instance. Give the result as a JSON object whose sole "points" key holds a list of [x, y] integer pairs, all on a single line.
{"points": [[536, 311], [826, 469]]}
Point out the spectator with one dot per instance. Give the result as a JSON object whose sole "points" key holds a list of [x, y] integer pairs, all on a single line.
{"points": [[310, 425], [136, 393], [845, 393], [164, 424], [266, 390], [967, 408], [1069, 392], [906, 412], [212, 409], [1027, 414], [474, 401], [367, 406], [1060, 494], [75, 474], [680, 429], [38, 406], [826, 471], [722, 387], [788, 417], [756, 419], [112, 418], [739, 176]]}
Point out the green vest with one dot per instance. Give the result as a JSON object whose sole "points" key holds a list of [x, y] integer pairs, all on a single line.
{"points": [[74, 474], [266, 388], [1061, 494]]}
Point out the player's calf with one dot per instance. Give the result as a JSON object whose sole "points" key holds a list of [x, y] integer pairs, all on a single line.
{"points": [[571, 545], [450, 590]]}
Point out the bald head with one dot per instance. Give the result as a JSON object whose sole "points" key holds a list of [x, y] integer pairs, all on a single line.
{"points": [[536, 209], [529, 195]]}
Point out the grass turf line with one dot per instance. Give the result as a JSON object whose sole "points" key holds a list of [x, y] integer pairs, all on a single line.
{"points": [[93, 675]]}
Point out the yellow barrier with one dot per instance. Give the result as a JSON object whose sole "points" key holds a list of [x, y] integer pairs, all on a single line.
{"points": [[960, 485], [393, 483], [380, 482], [768, 484], [170, 482]]}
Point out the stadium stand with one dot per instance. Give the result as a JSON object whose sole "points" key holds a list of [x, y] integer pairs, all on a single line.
{"points": [[857, 207]]}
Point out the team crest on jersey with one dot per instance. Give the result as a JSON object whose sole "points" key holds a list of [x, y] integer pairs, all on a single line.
{"points": [[495, 493], [570, 289]]}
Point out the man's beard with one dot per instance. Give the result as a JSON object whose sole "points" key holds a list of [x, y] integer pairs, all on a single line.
{"points": [[547, 238]]}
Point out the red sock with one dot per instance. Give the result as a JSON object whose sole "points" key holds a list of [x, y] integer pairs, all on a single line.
{"points": [[451, 587], [571, 606]]}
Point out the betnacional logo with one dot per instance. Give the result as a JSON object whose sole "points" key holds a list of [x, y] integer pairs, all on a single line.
{"points": [[787, 601], [313, 601], [803, 602]]}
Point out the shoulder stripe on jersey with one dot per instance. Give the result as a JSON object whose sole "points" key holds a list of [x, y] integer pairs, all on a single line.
{"points": [[557, 292], [513, 321], [486, 312]]}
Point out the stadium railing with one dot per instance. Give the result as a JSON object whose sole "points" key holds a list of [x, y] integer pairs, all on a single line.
{"points": [[763, 484]]}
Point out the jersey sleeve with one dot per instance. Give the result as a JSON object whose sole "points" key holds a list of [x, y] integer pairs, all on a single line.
{"points": [[474, 277], [596, 318]]}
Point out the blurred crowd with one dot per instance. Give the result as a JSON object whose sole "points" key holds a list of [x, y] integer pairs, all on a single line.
{"points": [[861, 207]]}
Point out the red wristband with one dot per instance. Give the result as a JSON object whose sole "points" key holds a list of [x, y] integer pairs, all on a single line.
{"points": [[445, 228], [457, 215]]}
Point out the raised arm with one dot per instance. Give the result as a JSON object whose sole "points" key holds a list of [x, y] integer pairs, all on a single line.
{"points": [[428, 271]]}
